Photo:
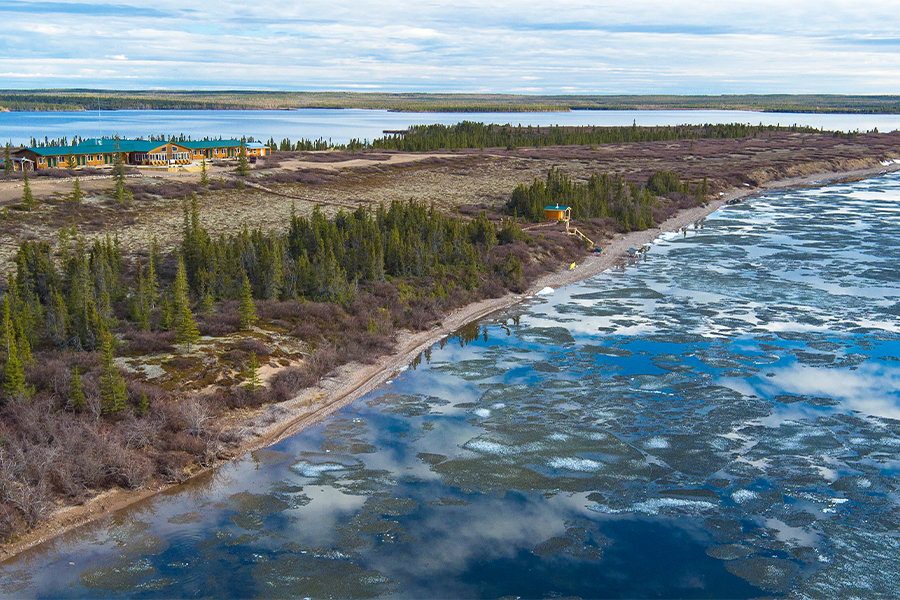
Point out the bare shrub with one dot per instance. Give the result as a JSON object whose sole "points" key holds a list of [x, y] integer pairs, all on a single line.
{"points": [[244, 397], [173, 464], [224, 321], [150, 342], [492, 287], [287, 382], [249, 345]]}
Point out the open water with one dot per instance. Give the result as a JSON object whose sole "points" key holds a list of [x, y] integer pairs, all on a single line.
{"points": [[718, 419], [340, 126]]}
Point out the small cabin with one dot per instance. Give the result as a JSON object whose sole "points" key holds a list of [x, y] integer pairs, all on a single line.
{"points": [[557, 213]]}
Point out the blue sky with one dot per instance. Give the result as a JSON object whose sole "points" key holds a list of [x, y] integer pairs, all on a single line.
{"points": [[521, 46]]}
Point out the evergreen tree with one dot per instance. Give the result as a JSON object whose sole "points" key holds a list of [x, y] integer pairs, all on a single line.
{"points": [[7, 159], [13, 371], [243, 167], [27, 197], [77, 195], [207, 304], [143, 405], [119, 173], [152, 282], [76, 393], [180, 298], [186, 331], [204, 178], [246, 310], [113, 392], [253, 381], [57, 318], [6, 327], [23, 346], [70, 161]]}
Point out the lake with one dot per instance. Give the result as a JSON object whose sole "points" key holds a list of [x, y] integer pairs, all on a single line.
{"points": [[341, 125], [718, 419]]}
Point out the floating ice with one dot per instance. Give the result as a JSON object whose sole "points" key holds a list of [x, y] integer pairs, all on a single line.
{"points": [[482, 412], [657, 443], [654, 506], [742, 496], [308, 469], [576, 464], [545, 291], [486, 447]]}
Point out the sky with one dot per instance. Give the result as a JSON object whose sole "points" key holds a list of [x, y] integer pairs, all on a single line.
{"points": [[521, 46]]}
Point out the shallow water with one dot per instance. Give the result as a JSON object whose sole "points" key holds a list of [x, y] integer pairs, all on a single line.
{"points": [[719, 419]]}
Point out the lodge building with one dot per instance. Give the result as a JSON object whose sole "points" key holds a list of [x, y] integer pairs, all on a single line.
{"points": [[100, 152]]}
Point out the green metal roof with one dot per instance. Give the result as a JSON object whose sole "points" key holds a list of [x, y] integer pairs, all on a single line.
{"points": [[557, 207], [108, 146]]}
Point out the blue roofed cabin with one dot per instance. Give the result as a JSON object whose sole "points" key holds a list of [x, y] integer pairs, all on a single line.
{"points": [[557, 213]]}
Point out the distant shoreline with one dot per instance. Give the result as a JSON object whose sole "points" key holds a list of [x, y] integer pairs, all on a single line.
{"points": [[354, 381], [32, 100]]}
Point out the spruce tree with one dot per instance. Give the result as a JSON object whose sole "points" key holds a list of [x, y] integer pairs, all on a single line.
{"points": [[76, 393], [204, 178], [119, 174], [243, 167], [253, 381], [13, 371], [246, 310], [186, 331], [113, 392], [207, 304], [180, 297], [152, 269], [27, 197], [6, 327], [23, 346], [7, 159], [77, 195], [143, 405], [166, 310]]}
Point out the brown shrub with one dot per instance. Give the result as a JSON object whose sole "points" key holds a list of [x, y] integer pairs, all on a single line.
{"points": [[173, 465], [150, 342], [225, 320], [287, 382], [249, 345], [242, 397]]}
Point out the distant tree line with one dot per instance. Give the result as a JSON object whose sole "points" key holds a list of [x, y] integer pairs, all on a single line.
{"points": [[468, 134]]}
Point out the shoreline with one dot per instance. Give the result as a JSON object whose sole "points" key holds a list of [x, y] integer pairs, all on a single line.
{"points": [[276, 422]]}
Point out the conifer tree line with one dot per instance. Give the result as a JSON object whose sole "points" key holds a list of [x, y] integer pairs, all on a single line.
{"points": [[468, 134], [603, 195]]}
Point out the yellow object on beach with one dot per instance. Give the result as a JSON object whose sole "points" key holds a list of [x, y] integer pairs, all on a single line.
{"points": [[572, 267]]}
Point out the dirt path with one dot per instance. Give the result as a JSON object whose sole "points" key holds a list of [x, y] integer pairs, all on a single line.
{"points": [[351, 382]]}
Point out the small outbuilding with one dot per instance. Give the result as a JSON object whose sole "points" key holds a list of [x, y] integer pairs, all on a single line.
{"points": [[557, 213]]}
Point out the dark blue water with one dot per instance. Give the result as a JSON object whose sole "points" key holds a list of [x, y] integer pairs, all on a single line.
{"points": [[341, 125], [721, 419]]}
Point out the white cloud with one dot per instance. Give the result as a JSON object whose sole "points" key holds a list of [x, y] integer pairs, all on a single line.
{"points": [[614, 47]]}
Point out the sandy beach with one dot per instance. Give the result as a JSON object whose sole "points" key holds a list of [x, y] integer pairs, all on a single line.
{"points": [[278, 421]]}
